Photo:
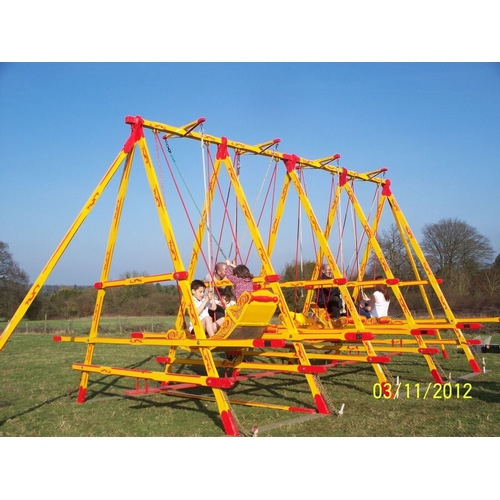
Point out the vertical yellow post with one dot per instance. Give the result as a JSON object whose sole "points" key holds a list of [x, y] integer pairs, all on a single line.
{"points": [[184, 284], [388, 273], [325, 249], [433, 281], [42, 278], [108, 257]]}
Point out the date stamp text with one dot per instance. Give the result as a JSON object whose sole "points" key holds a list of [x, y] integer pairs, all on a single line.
{"points": [[422, 391]]}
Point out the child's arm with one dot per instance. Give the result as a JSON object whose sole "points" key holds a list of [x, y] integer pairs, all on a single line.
{"points": [[210, 298], [229, 273], [370, 304], [202, 305]]}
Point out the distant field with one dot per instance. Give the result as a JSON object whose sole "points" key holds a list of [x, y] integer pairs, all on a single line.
{"points": [[38, 391], [81, 326]]}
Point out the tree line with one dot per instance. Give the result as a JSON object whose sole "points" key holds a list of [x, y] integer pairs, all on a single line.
{"points": [[456, 252]]}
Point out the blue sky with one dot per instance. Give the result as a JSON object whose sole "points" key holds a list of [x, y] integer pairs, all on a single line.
{"points": [[435, 126]]}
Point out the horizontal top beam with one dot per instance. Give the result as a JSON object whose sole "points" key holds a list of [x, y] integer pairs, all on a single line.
{"points": [[260, 149]]}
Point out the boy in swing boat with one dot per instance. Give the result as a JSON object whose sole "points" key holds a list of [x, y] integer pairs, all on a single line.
{"points": [[204, 301]]}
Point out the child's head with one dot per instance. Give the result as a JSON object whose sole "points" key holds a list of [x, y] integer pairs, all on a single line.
{"points": [[198, 289], [382, 288], [242, 271], [227, 295]]}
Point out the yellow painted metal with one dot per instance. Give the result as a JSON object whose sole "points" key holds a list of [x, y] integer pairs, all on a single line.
{"points": [[247, 322], [42, 278], [108, 257]]}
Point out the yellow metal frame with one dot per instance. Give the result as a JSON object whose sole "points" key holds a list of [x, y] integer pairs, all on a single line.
{"points": [[298, 337]]}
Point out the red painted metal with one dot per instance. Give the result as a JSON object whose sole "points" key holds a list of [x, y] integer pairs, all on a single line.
{"points": [[469, 326], [428, 350], [422, 331], [221, 383], [258, 298], [437, 377], [378, 359], [82, 392], [269, 343], [222, 152], [386, 190], [474, 366], [359, 336], [162, 359], [321, 404], [270, 278], [229, 423], [136, 133], [311, 368], [474, 341], [180, 275], [290, 162], [301, 410], [343, 177]]}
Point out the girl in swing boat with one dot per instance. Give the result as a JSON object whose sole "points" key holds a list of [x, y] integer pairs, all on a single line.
{"points": [[204, 300], [378, 305], [241, 278]]}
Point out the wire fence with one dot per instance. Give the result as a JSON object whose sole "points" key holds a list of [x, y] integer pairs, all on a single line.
{"points": [[81, 326]]}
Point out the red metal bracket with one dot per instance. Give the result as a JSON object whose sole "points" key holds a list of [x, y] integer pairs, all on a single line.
{"points": [[222, 152], [136, 133], [386, 190], [290, 162]]}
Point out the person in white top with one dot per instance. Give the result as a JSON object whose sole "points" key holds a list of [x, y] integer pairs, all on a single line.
{"points": [[378, 304], [203, 302]]}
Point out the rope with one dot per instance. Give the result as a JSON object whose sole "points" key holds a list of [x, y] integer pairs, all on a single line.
{"points": [[190, 195], [159, 164], [262, 211], [202, 147], [325, 395], [340, 252], [181, 198], [300, 249], [258, 198]]}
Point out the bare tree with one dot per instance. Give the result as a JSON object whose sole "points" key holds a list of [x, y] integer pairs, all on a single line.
{"points": [[395, 253], [13, 282], [452, 246], [489, 281]]}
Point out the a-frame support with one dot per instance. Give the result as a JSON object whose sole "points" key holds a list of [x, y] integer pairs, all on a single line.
{"points": [[298, 338]]}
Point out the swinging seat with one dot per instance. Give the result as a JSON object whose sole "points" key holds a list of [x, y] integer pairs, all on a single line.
{"points": [[249, 317], [321, 315]]}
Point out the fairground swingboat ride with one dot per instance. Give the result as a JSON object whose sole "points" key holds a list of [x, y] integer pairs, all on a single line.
{"points": [[265, 333]]}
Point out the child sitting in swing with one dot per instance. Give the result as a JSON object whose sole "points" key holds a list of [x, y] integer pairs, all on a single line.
{"points": [[203, 302], [241, 278]]}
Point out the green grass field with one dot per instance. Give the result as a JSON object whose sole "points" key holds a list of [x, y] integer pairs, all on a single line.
{"points": [[38, 391]]}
